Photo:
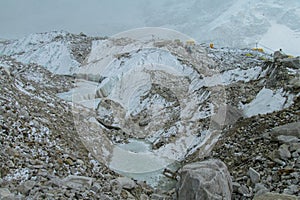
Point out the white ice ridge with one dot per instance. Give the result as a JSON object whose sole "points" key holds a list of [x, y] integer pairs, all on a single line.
{"points": [[268, 101]]}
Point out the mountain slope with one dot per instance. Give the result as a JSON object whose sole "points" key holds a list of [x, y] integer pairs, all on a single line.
{"points": [[53, 50], [141, 106], [230, 23]]}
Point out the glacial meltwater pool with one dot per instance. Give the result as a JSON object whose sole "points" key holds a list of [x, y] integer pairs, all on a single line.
{"points": [[136, 160]]}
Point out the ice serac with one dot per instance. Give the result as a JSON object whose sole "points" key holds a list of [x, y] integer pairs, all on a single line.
{"points": [[149, 90]]}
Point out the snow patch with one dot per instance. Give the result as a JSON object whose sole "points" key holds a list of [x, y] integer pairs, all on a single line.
{"points": [[268, 101], [46, 49]]}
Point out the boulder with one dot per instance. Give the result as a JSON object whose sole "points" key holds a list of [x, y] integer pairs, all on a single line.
{"points": [[286, 139], [282, 153], [291, 129], [208, 179]]}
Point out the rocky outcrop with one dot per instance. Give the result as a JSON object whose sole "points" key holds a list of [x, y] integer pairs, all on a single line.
{"points": [[208, 179]]}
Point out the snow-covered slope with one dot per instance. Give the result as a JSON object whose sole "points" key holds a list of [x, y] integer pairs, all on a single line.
{"points": [[51, 50], [272, 23]]}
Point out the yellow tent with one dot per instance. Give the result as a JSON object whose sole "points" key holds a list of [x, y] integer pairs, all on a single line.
{"points": [[258, 49], [190, 42]]}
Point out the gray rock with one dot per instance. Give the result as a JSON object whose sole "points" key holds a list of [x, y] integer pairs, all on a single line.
{"points": [[208, 179], [284, 152], [126, 195], [236, 186], [121, 183], [275, 196], [126, 183], [297, 164], [295, 147], [279, 55], [105, 197], [295, 154], [260, 189], [280, 162], [144, 197], [55, 182], [96, 187], [158, 197], [80, 162], [25, 187], [294, 83], [77, 182], [254, 175], [5, 194], [291, 189], [243, 190], [286, 139], [291, 129], [291, 62]]}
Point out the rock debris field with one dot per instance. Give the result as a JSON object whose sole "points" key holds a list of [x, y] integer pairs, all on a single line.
{"points": [[121, 118]]}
